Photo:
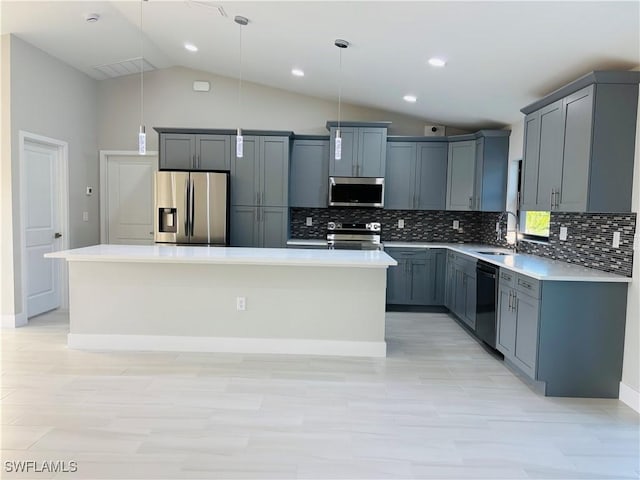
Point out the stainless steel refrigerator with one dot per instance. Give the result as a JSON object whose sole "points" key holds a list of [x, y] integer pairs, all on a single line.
{"points": [[192, 208]]}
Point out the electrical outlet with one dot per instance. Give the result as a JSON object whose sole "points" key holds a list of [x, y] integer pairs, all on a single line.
{"points": [[456, 224], [309, 221], [241, 304], [401, 223], [563, 233], [85, 216], [616, 240]]}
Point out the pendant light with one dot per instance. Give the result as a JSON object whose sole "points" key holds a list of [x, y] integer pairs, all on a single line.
{"points": [[341, 44], [142, 135], [241, 21]]}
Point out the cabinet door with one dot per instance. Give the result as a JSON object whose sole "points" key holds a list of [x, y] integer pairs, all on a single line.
{"points": [[244, 226], [273, 227], [274, 171], [459, 292], [397, 282], [309, 175], [530, 162], [450, 283], [479, 175], [399, 192], [526, 339], [346, 166], [177, 151], [213, 152], [245, 175], [431, 176], [550, 167], [461, 175], [506, 341], [419, 286], [470, 300], [372, 152], [576, 160], [438, 276]]}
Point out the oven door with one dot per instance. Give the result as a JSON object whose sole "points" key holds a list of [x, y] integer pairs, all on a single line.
{"points": [[356, 192]]}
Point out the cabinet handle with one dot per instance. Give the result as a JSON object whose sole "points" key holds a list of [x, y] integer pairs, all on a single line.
{"points": [[510, 297], [552, 194], [515, 303], [193, 161], [558, 198]]}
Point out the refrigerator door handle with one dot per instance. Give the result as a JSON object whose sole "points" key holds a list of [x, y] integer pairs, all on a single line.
{"points": [[187, 205], [191, 199]]}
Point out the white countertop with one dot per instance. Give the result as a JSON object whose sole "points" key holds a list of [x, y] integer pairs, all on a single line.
{"points": [[227, 255], [532, 265]]}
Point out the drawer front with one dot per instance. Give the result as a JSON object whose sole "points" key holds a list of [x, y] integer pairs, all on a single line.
{"points": [[507, 277], [406, 253], [528, 285]]}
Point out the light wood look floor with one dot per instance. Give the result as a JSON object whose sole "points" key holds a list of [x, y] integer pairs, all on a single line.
{"points": [[439, 406]]}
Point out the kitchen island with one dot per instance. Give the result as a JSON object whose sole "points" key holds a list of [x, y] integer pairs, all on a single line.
{"points": [[223, 299]]}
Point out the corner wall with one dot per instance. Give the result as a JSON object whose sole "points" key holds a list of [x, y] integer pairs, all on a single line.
{"points": [[49, 98]]}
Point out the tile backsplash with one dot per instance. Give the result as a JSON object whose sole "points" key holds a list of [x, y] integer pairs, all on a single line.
{"points": [[589, 237], [588, 242]]}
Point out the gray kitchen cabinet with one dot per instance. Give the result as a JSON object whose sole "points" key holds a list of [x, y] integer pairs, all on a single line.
{"points": [[364, 149], [526, 341], [461, 175], [491, 166], [183, 151], [415, 177], [579, 145], [253, 226], [418, 279], [461, 287], [309, 173], [261, 176], [506, 325]]}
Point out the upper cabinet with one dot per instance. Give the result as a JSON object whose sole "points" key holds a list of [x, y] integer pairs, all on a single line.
{"points": [[477, 171], [579, 145], [190, 151], [364, 149], [416, 175], [309, 172]]}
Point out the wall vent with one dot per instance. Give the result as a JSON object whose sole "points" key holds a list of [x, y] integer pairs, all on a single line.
{"points": [[125, 67]]}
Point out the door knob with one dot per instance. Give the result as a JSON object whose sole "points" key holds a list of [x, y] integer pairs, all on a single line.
{"points": [[57, 235]]}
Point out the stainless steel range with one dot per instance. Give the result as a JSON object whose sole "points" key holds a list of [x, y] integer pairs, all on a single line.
{"points": [[354, 236]]}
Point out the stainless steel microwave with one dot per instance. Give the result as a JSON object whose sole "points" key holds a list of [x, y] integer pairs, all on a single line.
{"points": [[356, 192]]}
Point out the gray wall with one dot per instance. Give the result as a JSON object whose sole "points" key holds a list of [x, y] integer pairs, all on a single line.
{"points": [[169, 101], [52, 99]]}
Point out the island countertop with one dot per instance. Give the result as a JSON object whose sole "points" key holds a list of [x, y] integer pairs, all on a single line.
{"points": [[227, 256]]}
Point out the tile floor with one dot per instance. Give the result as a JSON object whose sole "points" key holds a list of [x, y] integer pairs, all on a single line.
{"points": [[439, 406]]}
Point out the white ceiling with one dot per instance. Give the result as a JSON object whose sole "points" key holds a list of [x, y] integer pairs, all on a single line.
{"points": [[501, 55]]}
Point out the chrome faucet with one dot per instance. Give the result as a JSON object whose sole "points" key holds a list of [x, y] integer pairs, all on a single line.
{"points": [[516, 231]]}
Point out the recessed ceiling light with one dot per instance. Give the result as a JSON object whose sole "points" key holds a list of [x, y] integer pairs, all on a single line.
{"points": [[437, 62], [191, 47], [297, 72], [410, 98]]}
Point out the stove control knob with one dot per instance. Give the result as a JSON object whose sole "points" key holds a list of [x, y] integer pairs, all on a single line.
{"points": [[331, 226]]}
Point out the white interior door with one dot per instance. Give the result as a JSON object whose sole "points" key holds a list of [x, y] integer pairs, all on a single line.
{"points": [[42, 227], [129, 199]]}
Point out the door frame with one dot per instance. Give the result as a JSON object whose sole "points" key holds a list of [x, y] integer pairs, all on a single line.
{"points": [[62, 179], [104, 210]]}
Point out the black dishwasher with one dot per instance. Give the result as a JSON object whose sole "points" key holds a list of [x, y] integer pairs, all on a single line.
{"points": [[486, 298]]}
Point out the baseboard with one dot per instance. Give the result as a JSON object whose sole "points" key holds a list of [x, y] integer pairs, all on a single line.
{"points": [[13, 320], [165, 343], [630, 396]]}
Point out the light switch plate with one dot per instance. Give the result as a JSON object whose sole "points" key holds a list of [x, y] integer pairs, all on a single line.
{"points": [[616, 240], [563, 233], [400, 223], [85, 216], [309, 221], [456, 224]]}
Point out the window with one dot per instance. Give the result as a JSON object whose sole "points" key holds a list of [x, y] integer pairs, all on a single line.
{"points": [[535, 225]]}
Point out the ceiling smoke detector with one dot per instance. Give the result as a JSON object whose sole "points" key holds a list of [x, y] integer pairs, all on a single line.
{"points": [[92, 17]]}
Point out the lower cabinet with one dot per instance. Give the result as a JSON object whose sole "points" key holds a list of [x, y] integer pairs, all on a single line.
{"points": [[259, 226], [460, 296], [418, 279], [518, 320]]}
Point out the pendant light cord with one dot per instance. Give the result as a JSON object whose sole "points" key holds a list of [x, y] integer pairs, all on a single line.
{"points": [[339, 88], [141, 68], [240, 82]]}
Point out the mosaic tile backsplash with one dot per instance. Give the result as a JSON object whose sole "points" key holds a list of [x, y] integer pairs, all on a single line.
{"points": [[588, 242]]}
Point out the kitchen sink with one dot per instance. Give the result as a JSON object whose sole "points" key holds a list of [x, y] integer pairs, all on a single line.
{"points": [[495, 253]]}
